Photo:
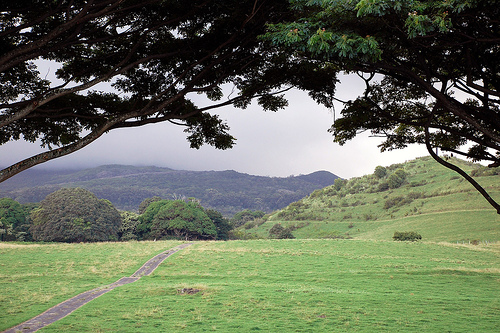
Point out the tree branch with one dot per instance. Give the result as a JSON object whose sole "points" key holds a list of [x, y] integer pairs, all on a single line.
{"points": [[453, 167]]}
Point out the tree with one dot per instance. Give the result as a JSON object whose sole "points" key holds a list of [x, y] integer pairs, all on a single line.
{"points": [[12, 216], [397, 179], [146, 202], [176, 218], [245, 216], [128, 228], [75, 215], [123, 64], [430, 70], [380, 172], [222, 225]]}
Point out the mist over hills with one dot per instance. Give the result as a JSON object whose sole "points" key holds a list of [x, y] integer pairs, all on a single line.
{"points": [[127, 186]]}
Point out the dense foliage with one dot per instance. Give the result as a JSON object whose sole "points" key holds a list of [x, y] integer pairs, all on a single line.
{"points": [[128, 228], [154, 56], [176, 219], [12, 220], [222, 225], [246, 216], [75, 215], [430, 69], [411, 236], [279, 232]]}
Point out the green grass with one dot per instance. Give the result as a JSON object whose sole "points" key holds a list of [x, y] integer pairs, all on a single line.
{"points": [[365, 284], [305, 286], [435, 202], [35, 277]]}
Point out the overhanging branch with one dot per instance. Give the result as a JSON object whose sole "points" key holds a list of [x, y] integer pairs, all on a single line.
{"points": [[453, 167]]}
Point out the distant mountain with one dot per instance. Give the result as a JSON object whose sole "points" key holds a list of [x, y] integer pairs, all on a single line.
{"points": [[127, 186]]}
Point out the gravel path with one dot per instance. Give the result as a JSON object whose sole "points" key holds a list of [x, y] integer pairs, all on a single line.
{"points": [[65, 308]]}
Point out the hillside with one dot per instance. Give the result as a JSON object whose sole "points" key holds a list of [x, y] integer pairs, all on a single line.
{"points": [[432, 200], [127, 186]]}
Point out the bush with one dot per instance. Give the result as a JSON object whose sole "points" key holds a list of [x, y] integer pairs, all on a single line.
{"points": [[397, 201], [383, 186], [240, 234], [339, 183], [411, 236], [245, 216], [278, 232], [397, 179], [380, 172]]}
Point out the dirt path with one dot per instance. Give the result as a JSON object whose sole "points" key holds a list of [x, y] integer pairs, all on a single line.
{"points": [[65, 308]]}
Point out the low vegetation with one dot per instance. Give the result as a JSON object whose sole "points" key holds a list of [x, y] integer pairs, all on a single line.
{"points": [[411, 236], [418, 195], [260, 285]]}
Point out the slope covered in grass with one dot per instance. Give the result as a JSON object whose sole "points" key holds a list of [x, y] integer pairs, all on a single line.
{"points": [[432, 200]]}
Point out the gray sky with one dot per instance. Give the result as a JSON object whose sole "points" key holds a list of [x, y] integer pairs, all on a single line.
{"points": [[289, 142]]}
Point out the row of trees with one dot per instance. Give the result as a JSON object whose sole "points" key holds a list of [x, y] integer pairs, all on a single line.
{"points": [[77, 215]]}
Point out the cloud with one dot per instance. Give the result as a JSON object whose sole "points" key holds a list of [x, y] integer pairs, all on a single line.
{"points": [[288, 142]]}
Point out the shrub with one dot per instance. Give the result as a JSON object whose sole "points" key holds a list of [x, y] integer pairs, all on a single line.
{"points": [[383, 186], [397, 201], [240, 234], [369, 217], [380, 172], [245, 216], [339, 183], [278, 232], [317, 193], [411, 236], [397, 179]]}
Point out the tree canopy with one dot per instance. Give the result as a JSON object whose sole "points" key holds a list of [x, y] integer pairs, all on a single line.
{"points": [[176, 219], [128, 63], [430, 70], [75, 215], [12, 216]]}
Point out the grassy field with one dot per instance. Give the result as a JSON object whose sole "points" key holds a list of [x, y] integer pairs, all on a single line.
{"points": [[35, 277], [268, 285]]}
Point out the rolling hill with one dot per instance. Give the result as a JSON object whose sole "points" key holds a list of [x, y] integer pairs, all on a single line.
{"points": [[127, 186], [432, 200]]}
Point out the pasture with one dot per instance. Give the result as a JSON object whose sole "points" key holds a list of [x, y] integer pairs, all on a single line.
{"points": [[260, 285]]}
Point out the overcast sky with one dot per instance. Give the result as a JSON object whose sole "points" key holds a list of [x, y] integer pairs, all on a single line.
{"points": [[292, 141]]}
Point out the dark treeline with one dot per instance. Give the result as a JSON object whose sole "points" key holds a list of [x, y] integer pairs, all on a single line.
{"points": [[77, 215]]}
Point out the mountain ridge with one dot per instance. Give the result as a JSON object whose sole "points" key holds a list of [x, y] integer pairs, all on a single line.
{"points": [[126, 186]]}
